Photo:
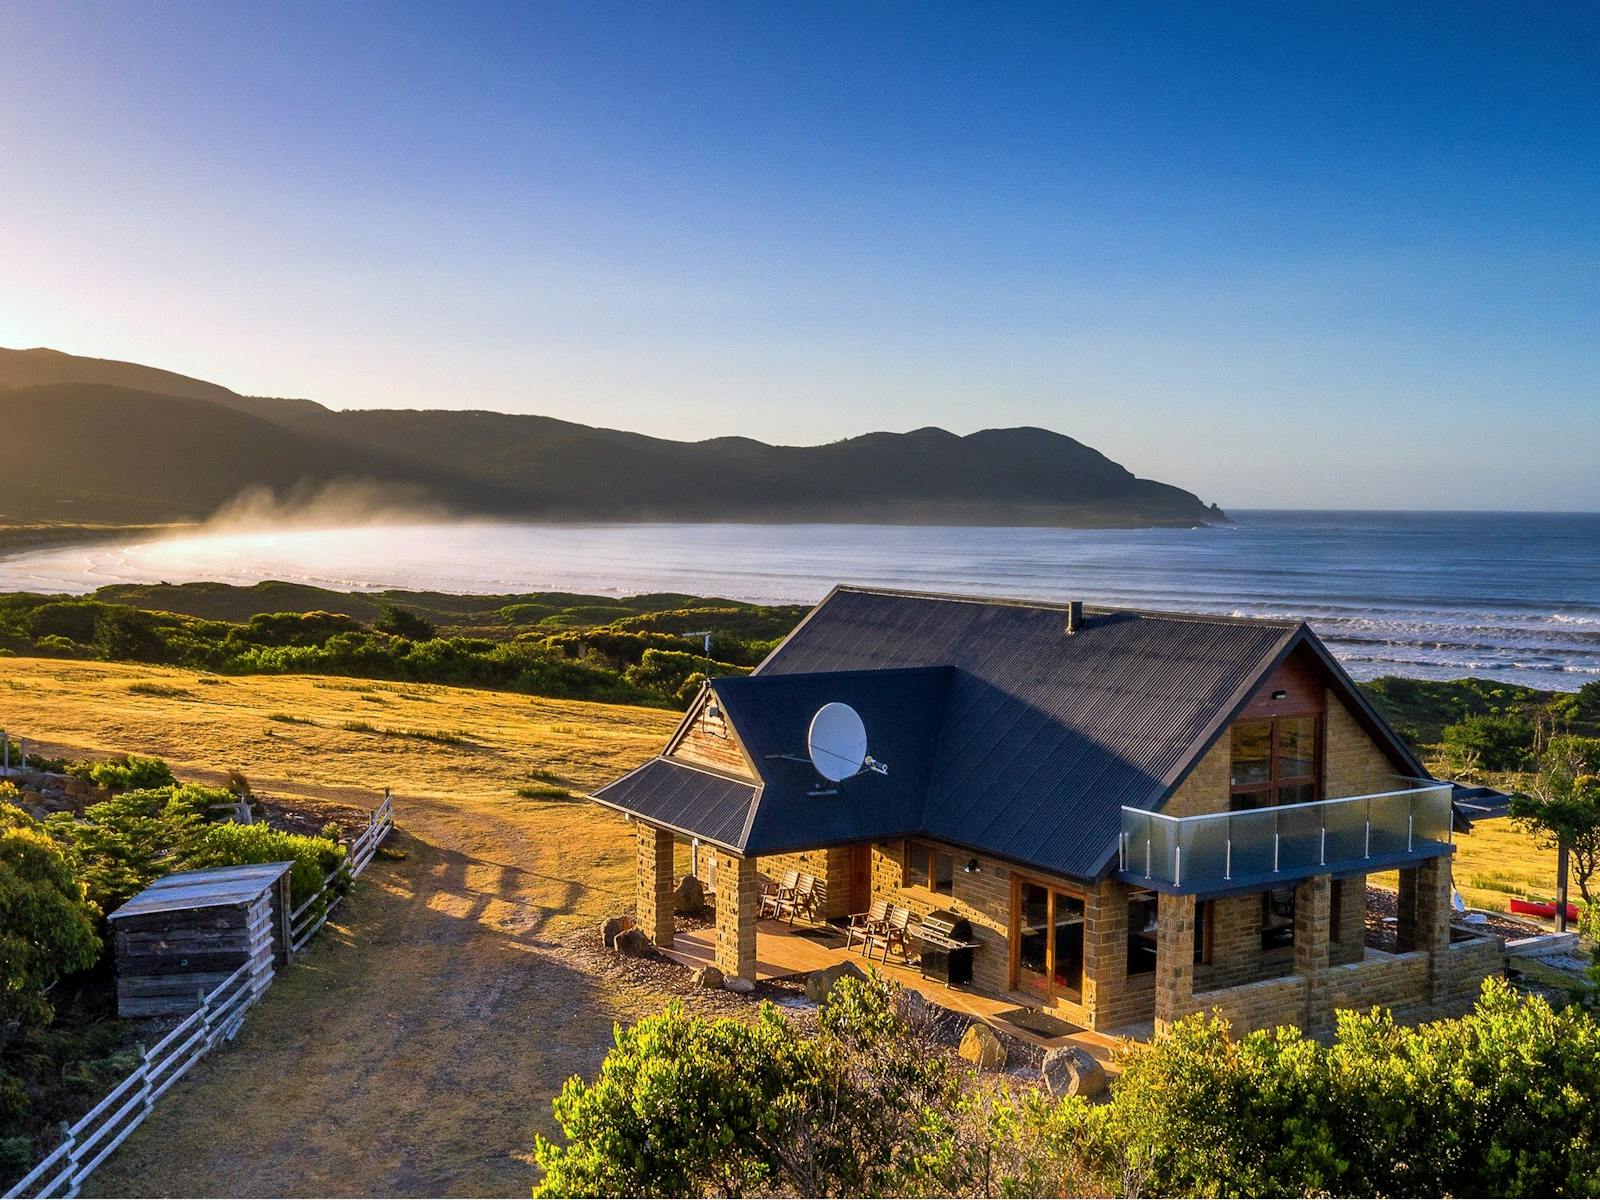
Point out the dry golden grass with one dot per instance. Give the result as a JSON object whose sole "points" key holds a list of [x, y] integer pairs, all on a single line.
{"points": [[417, 1048]]}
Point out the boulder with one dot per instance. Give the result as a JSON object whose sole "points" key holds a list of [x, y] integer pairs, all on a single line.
{"points": [[979, 1045], [612, 926], [707, 977], [1072, 1071], [634, 944], [689, 897], [913, 1007], [820, 983], [735, 983]]}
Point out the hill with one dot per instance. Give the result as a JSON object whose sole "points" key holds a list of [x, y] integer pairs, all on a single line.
{"points": [[112, 441]]}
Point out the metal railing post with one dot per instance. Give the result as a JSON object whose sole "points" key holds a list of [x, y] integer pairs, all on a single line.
{"points": [[1147, 856], [1227, 859], [1177, 866]]}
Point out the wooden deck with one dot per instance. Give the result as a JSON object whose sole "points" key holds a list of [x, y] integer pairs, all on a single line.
{"points": [[784, 951]]}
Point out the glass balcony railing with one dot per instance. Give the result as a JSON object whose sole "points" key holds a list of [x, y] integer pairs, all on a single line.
{"points": [[1290, 840]]}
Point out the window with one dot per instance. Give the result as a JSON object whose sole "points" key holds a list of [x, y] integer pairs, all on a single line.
{"points": [[1142, 929], [1274, 762], [929, 867], [1277, 918]]}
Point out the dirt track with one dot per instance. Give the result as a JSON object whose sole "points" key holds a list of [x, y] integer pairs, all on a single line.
{"points": [[415, 1049]]}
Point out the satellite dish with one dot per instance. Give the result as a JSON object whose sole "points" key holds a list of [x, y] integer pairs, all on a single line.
{"points": [[837, 742]]}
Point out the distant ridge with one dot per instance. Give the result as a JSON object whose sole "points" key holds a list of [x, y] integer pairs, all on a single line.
{"points": [[102, 440]]}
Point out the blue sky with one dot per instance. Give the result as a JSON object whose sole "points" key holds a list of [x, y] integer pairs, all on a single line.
{"points": [[1283, 255]]}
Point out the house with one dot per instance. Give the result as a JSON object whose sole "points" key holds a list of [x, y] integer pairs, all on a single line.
{"points": [[1140, 814]]}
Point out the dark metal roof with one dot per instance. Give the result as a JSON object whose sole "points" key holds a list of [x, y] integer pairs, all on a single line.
{"points": [[771, 715], [1046, 735], [1478, 804], [1003, 733], [215, 887], [689, 799]]}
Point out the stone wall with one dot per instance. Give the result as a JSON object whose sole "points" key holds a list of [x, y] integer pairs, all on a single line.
{"points": [[1382, 980], [1205, 790], [1265, 1004], [831, 867], [1352, 763], [1466, 965], [1236, 956], [1350, 945]]}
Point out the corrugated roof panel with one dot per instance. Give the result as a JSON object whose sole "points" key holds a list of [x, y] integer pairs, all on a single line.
{"points": [[691, 799], [215, 887]]}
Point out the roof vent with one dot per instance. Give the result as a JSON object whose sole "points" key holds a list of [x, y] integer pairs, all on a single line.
{"points": [[1074, 616]]}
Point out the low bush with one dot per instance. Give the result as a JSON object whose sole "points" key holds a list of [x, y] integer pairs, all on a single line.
{"points": [[47, 926], [1499, 1102], [230, 845]]}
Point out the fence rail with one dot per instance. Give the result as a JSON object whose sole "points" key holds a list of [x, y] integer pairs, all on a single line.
{"points": [[90, 1140]]}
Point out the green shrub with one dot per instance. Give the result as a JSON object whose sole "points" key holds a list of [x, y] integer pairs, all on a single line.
{"points": [[231, 845], [47, 926], [123, 844], [1489, 742], [131, 771]]}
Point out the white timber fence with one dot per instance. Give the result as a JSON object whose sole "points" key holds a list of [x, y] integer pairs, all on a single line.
{"points": [[90, 1140]]}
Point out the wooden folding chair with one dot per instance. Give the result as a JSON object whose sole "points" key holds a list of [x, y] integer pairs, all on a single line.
{"points": [[893, 933], [804, 896], [773, 897], [864, 925]]}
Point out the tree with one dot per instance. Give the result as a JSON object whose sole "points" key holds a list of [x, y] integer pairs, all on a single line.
{"points": [[1492, 742], [1562, 806], [47, 926], [402, 622]]}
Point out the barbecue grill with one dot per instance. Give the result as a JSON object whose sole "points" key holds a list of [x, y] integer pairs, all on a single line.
{"points": [[947, 947]]}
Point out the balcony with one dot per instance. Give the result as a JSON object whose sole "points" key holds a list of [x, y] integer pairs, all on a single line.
{"points": [[1235, 851]]}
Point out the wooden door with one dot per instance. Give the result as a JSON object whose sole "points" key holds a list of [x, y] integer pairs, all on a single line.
{"points": [[860, 877]]}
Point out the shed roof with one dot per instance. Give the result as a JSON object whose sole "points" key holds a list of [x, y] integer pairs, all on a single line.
{"points": [[214, 887]]}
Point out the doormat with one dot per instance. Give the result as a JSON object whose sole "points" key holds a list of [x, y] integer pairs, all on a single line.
{"points": [[1037, 1022], [823, 934]]}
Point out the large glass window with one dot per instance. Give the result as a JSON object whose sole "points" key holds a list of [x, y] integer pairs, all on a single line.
{"points": [[929, 867], [1049, 932], [1274, 762]]}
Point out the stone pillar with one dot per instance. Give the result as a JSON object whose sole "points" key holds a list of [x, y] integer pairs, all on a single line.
{"points": [[738, 902], [1313, 917], [1105, 953], [1174, 959], [1424, 922], [654, 877]]}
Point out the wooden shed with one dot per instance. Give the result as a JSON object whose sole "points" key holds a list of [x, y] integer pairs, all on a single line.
{"points": [[186, 933]]}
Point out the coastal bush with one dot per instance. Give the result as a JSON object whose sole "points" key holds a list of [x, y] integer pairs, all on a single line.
{"points": [[129, 771], [47, 926], [1499, 1102], [119, 846], [1489, 742], [402, 622], [231, 845]]}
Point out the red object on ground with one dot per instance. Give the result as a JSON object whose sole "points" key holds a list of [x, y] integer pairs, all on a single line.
{"points": [[1533, 908]]}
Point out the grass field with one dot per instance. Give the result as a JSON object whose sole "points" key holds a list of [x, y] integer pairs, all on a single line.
{"points": [[416, 1050]]}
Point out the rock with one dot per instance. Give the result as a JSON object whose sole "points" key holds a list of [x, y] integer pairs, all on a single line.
{"points": [[820, 983], [634, 944], [689, 897], [707, 977], [1072, 1071], [613, 926], [979, 1045], [735, 984], [912, 1006]]}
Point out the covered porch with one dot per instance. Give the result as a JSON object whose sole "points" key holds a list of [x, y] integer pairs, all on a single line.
{"points": [[789, 951]]}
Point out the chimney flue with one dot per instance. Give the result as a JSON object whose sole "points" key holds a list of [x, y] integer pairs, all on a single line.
{"points": [[1074, 616]]}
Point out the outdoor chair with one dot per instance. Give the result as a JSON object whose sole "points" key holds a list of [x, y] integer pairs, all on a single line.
{"points": [[864, 925], [803, 897], [892, 934], [773, 897]]}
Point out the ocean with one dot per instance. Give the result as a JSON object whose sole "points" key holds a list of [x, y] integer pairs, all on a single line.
{"points": [[1510, 596]]}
